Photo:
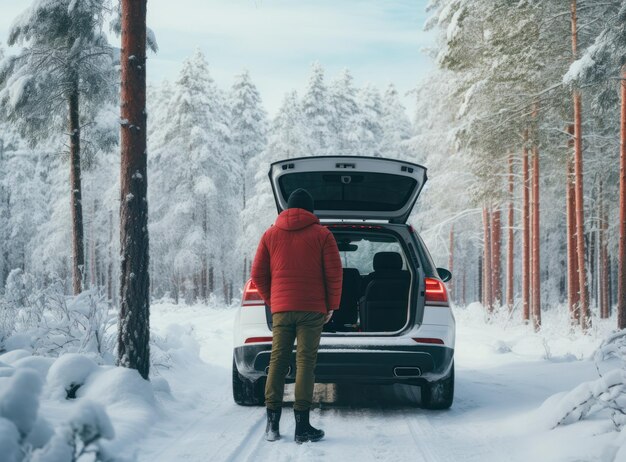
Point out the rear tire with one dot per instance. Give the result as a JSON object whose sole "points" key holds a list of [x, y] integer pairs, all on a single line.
{"points": [[246, 392], [439, 394]]}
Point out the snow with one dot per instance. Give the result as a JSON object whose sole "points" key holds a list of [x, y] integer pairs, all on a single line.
{"points": [[505, 372], [19, 399], [69, 371], [518, 397], [579, 67], [39, 364], [90, 421], [9, 441]]}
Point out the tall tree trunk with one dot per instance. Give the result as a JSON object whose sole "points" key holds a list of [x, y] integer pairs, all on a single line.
{"points": [[525, 232], [451, 286], [585, 320], [573, 289], [487, 269], [464, 287], [7, 247], [110, 262], [510, 265], [621, 257], [580, 223], [245, 269], [134, 326], [480, 285], [78, 250], [536, 270], [203, 272], [496, 256], [604, 258], [93, 269]]}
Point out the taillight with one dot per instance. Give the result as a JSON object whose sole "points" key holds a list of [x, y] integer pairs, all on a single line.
{"points": [[435, 341], [251, 295], [435, 291], [258, 339]]}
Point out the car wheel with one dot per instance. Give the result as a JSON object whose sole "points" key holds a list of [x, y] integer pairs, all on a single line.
{"points": [[246, 392], [439, 394]]}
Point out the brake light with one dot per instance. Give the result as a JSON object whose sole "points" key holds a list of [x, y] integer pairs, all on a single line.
{"points": [[258, 339], [435, 291], [436, 341], [251, 295], [355, 226]]}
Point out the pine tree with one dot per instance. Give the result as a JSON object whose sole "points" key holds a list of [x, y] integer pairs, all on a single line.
{"points": [[345, 111], [601, 64], [395, 124], [315, 105], [248, 127], [367, 131], [133, 347], [65, 58], [247, 124]]}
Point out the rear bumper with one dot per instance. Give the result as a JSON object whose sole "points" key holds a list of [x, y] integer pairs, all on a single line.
{"points": [[365, 364]]}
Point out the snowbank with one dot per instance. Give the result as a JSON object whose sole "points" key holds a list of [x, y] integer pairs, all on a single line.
{"points": [[505, 333], [57, 410]]}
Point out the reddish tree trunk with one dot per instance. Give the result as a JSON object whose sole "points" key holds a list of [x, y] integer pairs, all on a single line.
{"points": [[487, 269], [536, 270], [573, 289], [93, 263], [510, 244], [578, 173], [580, 223], [463, 290], [110, 262], [621, 257], [496, 256], [78, 250], [525, 233], [604, 258], [480, 278], [134, 326]]}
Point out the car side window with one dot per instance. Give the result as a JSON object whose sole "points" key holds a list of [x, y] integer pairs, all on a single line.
{"points": [[363, 258]]}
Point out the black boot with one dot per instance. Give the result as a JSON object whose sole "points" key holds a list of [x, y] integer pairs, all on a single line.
{"points": [[304, 431], [271, 430]]}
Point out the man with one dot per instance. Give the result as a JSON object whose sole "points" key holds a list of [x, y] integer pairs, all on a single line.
{"points": [[297, 270]]}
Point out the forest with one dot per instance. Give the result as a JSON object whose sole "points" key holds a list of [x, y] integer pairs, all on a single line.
{"points": [[525, 115], [210, 200], [519, 126], [130, 214]]}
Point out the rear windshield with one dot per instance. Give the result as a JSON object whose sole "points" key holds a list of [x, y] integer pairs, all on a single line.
{"points": [[358, 249], [362, 191]]}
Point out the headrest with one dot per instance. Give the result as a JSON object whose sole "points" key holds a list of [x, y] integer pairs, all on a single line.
{"points": [[352, 273], [387, 261]]}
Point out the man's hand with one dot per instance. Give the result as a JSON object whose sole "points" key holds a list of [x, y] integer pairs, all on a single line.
{"points": [[328, 317]]}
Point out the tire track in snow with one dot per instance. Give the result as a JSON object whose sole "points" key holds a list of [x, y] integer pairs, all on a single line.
{"points": [[247, 449], [426, 439]]}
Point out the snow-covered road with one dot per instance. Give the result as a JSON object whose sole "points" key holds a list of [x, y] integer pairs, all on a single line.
{"points": [[503, 376]]}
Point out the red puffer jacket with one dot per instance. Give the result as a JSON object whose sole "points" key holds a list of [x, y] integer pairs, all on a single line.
{"points": [[297, 266]]}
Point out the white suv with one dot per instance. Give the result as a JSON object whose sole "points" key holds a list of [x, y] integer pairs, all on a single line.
{"points": [[394, 323]]}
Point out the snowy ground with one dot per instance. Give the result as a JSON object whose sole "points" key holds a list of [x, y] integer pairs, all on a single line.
{"points": [[513, 386], [504, 374]]}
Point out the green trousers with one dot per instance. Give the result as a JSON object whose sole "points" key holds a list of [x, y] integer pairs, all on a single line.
{"points": [[306, 327]]}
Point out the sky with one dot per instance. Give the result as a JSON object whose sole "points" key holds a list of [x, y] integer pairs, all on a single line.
{"points": [[380, 41]]}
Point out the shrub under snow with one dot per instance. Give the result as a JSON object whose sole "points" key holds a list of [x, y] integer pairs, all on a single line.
{"points": [[79, 436], [607, 393], [26, 435], [68, 374], [48, 322]]}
